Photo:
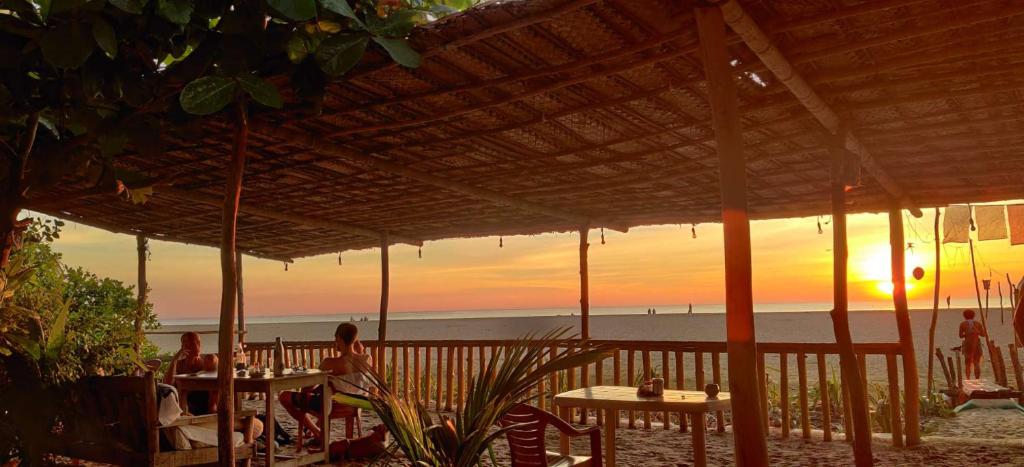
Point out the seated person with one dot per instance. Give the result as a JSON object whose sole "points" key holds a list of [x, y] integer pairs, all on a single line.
{"points": [[345, 376], [189, 359]]}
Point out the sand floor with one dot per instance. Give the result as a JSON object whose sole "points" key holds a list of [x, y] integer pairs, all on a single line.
{"points": [[983, 437]]}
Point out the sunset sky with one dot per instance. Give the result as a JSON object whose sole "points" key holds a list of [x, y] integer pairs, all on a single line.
{"points": [[648, 266]]}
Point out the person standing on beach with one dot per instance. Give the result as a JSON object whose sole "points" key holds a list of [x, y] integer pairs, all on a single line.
{"points": [[971, 332]]}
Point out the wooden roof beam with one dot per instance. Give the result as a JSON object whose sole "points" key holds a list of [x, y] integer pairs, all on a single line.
{"points": [[284, 216], [322, 146], [762, 46]]}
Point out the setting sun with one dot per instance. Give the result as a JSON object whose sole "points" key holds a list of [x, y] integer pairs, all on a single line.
{"points": [[874, 267]]}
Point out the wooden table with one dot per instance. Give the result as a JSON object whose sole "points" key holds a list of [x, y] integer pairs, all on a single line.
{"points": [[612, 399], [271, 386]]}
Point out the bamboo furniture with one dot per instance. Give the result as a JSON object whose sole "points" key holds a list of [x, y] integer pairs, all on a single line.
{"points": [[271, 386], [124, 411], [612, 399], [526, 439]]}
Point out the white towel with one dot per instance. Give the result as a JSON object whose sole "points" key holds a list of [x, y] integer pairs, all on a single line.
{"points": [[991, 222], [956, 225], [1015, 214]]}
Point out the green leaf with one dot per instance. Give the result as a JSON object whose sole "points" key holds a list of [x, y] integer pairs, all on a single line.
{"points": [[399, 23], [341, 52], [399, 51], [56, 337], [67, 46], [44, 8], [176, 11], [342, 8], [261, 90], [298, 10], [105, 37], [208, 94], [300, 45], [130, 6]]}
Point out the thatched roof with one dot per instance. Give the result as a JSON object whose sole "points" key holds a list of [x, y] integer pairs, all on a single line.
{"points": [[542, 115]]}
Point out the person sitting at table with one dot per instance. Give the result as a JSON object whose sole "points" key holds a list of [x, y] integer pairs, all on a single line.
{"points": [[189, 359], [345, 376]]}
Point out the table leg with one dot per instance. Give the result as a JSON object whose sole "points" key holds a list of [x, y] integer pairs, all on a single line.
{"points": [[699, 454], [611, 419], [325, 422], [268, 428], [563, 439]]}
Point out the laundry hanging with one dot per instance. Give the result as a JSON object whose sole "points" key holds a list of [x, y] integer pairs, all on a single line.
{"points": [[1015, 216], [956, 224], [991, 222]]}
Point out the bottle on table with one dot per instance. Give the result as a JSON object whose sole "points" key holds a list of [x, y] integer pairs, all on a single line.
{"points": [[278, 357]]}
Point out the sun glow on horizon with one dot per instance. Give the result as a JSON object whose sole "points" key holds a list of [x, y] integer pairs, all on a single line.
{"points": [[875, 268]]}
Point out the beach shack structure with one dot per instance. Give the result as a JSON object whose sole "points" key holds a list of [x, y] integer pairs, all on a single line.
{"points": [[537, 116]]}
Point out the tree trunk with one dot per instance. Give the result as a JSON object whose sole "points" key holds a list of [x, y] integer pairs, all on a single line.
{"points": [[142, 246], [911, 380], [240, 305], [849, 367], [385, 291], [10, 205], [935, 303], [584, 284], [229, 280], [749, 434]]}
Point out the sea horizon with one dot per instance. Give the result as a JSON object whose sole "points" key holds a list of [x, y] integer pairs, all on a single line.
{"points": [[667, 309]]}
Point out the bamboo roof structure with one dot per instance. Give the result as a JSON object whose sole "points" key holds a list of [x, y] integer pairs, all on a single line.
{"points": [[548, 115]]}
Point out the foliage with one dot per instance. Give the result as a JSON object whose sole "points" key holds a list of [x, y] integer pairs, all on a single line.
{"points": [[101, 77], [58, 324], [507, 379]]}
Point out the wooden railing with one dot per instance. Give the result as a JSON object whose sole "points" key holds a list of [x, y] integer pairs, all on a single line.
{"points": [[439, 372]]}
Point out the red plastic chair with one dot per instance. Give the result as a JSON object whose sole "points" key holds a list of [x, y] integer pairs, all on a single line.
{"points": [[526, 441]]}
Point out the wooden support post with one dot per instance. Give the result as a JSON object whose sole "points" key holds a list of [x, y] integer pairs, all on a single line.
{"points": [[716, 375], [584, 284], [935, 304], [826, 403], [911, 380], [630, 381], [1018, 375], [856, 407], [225, 341], [750, 444], [382, 324], [666, 375], [240, 296], [982, 314], [681, 384], [142, 247]]}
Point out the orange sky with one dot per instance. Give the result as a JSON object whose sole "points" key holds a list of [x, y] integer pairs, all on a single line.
{"points": [[647, 266]]}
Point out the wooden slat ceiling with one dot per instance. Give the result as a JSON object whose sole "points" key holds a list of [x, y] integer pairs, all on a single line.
{"points": [[535, 116]]}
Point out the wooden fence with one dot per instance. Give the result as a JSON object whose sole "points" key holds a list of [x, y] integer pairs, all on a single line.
{"points": [[439, 372]]}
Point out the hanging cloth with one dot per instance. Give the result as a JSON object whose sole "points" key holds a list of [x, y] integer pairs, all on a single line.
{"points": [[956, 225], [1015, 215], [991, 222]]}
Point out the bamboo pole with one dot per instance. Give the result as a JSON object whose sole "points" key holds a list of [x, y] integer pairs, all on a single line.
{"points": [[935, 304], [382, 324], [229, 281], [855, 393], [142, 248], [826, 404], [981, 312], [894, 400], [584, 284], [750, 445], [911, 380], [805, 410], [784, 394]]}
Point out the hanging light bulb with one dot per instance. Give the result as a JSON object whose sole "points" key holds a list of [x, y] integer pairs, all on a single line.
{"points": [[339, 258], [501, 242], [286, 267], [693, 230], [419, 252], [820, 231], [602, 235]]}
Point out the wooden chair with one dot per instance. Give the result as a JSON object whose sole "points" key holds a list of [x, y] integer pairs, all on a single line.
{"points": [[526, 439], [116, 423], [351, 415]]}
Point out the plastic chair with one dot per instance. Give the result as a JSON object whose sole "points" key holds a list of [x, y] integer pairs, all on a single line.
{"points": [[526, 439]]}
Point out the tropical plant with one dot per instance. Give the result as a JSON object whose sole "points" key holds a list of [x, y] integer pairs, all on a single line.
{"points": [[461, 440], [82, 81]]}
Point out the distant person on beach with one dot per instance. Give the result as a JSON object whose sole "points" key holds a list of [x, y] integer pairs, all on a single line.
{"points": [[689, 310], [971, 332], [345, 376]]}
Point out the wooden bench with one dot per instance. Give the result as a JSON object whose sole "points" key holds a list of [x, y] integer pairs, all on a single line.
{"points": [[116, 423]]}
